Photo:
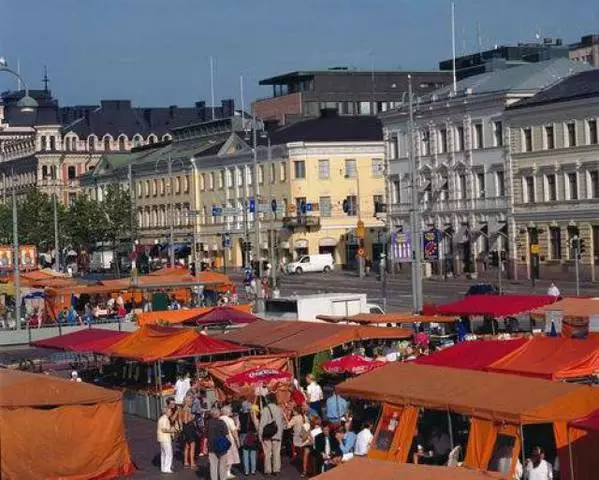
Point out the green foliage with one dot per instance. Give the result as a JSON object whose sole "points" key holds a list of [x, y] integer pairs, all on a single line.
{"points": [[85, 221], [36, 220], [116, 208], [319, 359]]}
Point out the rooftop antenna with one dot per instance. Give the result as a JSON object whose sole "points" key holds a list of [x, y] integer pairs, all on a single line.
{"points": [[479, 40], [242, 103], [455, 86], [212, 85], [19, 83], [45, 78], [372, 77]]}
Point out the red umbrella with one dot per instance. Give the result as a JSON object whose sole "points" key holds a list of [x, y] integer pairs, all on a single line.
{"points": [[354, 364], [257, 376]]}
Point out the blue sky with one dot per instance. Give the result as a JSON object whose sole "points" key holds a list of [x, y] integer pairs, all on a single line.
{"points": [[156, 52]]}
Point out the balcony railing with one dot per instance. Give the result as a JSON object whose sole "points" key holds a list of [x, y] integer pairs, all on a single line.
{"points": [[457, 205], [301, 221]]}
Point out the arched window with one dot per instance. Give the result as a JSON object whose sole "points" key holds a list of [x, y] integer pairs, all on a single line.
{"points": [[202, 181], [140, 218], [185, 183], [53, 143], [137, 141], [166, 137], [147, 217], [162, 186], [44, 143], [152, 139], [91, 143], [147, 189], [177, 185], [44, 172], [71, 172], [67, 144], [106, 144], [122, 146], [154, 187], [74, 141], [53, 172], [260, 174], [154, 220]]}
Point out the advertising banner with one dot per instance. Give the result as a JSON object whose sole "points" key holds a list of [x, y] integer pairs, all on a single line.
{"points": [[431, 244]]}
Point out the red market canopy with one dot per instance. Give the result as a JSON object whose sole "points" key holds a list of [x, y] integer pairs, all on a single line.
{"points": [[589, 423], [95, 340], [223, 315], [554, 358], [474, 355], [495, 306], [354, 364], [258, 375], [204, 345]]}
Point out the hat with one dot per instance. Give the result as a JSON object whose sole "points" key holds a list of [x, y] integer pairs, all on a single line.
{"points": [[74, 373]]}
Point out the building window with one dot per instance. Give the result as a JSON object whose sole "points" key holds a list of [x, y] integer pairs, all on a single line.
{"points": [[283, 172], [443, 140], [154, 188], [202, 182], [221, 179], [91, 144], [350, 168], [147, 188], [529, 189], [497, 134], [444, 188], [462, 186], [379, 203], [106, 144], [299, 202], [551, 195], [71, 172], [260, 174], [572, 186], [352, 205], [299, 169], [555, 243], [460, 140], [594, 184], [396, 191], [500, 180], [478, 135], [211, 181], [378, 168], [122, 144], [426, 143], [526, 140], [44, 143], [549, 137], [239, 177], [592, 131], [53, 143], [185, 183], [571, 134], [364, 108], [161, 187], [323, 169], [480, 185], [324, 204], [249, 174], [394, 146], [273, 173]]}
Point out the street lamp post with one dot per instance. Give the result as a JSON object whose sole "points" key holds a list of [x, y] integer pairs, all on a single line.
{"points": [[415, 213], [56, 243], [257, 214], [26, 104]]}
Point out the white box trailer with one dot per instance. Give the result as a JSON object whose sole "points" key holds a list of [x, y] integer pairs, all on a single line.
{"points": [[308, 307]]}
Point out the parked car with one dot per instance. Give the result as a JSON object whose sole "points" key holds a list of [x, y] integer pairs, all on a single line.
{"points": [[323, 262], [482, 289]]}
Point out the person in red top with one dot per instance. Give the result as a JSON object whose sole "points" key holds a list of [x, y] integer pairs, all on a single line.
{"points": [[121, 311]]}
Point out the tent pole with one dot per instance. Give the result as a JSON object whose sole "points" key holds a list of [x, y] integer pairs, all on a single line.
{"points": [[450, 426], [571, 460], [523, 450], [159, 368]]}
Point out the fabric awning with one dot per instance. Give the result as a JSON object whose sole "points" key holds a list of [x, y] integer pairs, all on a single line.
{"points": [[475, 355], [383, 319], [193, 315], [305, 338], [226, 315], [94, 340], [150, 343], [361, 467], [571, 307], [554, 358], [589, 423], [490, 396], [495, 306]]}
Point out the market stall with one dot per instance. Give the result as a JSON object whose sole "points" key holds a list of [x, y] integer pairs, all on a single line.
{"points": [[500, 407], [54, 428], [92, 340], [220, 316], [575, 316]]}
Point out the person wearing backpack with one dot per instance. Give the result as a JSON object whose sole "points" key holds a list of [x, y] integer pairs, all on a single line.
{"points": [[271, 433], [218, 445]]}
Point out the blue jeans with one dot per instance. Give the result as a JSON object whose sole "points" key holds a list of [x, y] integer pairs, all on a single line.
{"points": [[249, 461]]}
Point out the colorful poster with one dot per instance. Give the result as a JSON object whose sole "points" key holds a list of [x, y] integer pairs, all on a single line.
{"points": [[431, 244], [5, 257], [28, 255], [402, 246]]}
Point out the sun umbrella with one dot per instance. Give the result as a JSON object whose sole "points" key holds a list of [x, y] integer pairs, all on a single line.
{"points": [[354, 364], [258, 376]]}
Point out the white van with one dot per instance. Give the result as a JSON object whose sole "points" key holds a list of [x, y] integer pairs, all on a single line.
{"points": [[312, 263]]}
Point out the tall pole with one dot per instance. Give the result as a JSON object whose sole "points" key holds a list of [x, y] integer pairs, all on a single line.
{"points": [[212, 85], [257, 211], [56, 243], [273, 250], [172, 215], [577, 263], [453, 46], [361, 259], [415, 213], [387, 239], [16, 255]]}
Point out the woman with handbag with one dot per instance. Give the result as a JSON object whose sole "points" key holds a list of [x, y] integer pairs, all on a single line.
{"points": [[232, 455], [302, 440], [249, 437]]}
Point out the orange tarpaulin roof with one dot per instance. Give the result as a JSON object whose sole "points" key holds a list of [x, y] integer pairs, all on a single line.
{"points": [[361, 467], [571, 307], [180, 316], [80, 415], [151, 342], [305, 338], [493, 396], [170, 271], [552, 358], [398, 318]]}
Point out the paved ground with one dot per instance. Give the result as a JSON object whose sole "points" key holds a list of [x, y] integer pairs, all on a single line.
{"points": [[399, 287], [141, 435]]}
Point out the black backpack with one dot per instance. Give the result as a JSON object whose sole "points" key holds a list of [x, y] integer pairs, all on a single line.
{"points": [[271, 428]]}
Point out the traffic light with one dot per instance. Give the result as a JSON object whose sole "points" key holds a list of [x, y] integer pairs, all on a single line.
{"points": [[575, 244]]}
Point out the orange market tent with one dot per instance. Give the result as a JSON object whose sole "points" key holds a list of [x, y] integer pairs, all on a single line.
{"points": [[361, 467], [54, 428], [394, 318], [497, 403], [576, 313], [150, 343], [305, 338], [554, 358], [181, 316]]}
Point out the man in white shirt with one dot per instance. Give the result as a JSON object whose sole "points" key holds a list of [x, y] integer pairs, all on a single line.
{"points": [[314, 394], [537, 468], [182, 386], [164, 435], [363, 440], [553, 290]]}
